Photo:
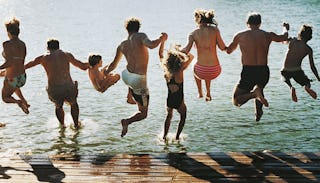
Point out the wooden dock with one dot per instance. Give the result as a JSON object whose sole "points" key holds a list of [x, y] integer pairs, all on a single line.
{"points": [[173, 167]]}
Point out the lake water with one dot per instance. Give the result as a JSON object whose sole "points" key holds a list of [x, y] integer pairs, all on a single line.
{"points": [[97, 26]]}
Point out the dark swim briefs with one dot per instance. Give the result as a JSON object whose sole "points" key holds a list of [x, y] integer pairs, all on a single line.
{"points": [[298, 76], [254, 75]]}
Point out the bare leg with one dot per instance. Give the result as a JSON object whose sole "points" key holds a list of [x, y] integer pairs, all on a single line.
{"points": [[130, 99], [7, 92], [198, 82], [312, 93], [167, 122], [241, 96], [258, 93], [294, 95], [183, 114], [60, 115], [208, 84], [75, 114], [19, 94], [138, 116]]}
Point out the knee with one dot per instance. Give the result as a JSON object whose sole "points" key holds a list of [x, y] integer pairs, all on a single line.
{"points": [[235, 102], [144, 113]]}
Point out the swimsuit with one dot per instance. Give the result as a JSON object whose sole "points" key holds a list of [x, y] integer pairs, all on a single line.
{"points": [[17, 81], [174, 99], [254, 75], [207, 72], [297, 74], [58, 94], [138, 85]]}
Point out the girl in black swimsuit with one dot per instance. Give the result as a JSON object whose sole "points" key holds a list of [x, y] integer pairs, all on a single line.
{"points": [[174, 64]]}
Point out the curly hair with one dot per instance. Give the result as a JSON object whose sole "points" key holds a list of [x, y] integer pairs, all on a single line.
{"points": [[132, 24], [204, 16], [94, 59], [173, 62]]}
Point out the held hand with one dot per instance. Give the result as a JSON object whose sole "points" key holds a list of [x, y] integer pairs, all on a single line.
{"points": [[286, 25], [164, 36]]}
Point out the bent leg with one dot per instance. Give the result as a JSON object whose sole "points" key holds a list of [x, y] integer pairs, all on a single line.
{"points": [[130, 99], [312, 93], [7, 92], [183, 115], [138, 116]]}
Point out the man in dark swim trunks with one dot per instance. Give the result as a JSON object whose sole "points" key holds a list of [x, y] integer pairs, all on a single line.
{"points": [[61, 88], [254, 45]]}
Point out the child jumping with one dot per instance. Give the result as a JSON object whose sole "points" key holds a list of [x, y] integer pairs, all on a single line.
{"points": [[174, 64], [297, 50], [100, 81]]}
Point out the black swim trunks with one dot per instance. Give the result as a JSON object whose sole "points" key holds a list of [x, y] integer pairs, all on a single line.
{"points": [[174, 99], [298, 76], [143, 100], [254, 75]]}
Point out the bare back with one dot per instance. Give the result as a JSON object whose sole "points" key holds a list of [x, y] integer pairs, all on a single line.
{"points": [[57, 67], [254, 46], [14, 52], [206, 39], [297, 50], [136, 53]]}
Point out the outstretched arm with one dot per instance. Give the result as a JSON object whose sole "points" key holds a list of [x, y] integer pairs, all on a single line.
{"points": [[283, 37], [77, 63], [188, 47], [33, 63], [313, 67], [233, 45], [152, 44], [115, 61], [220, 41]]}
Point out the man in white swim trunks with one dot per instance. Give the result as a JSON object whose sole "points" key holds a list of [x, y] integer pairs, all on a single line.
{"points": [[135, 50]]}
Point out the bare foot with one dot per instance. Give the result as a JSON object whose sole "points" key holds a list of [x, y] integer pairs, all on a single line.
{"points": [[293, 94], [125, 125], [200, 95], [208, 98], [2, 124], [259, 96], [312, 93], [24, 107], [77, 125]]}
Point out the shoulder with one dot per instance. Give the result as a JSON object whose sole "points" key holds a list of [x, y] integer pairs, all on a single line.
{"points": [[5, 43]]}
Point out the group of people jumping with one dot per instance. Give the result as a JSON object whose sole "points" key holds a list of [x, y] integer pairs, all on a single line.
{"points": [[253, 42]]}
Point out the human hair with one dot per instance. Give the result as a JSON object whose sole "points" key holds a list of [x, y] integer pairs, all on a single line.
{"points": [[204, 16], [13, 26], [254, 19], [132, 24], [94, 59], [52, 44], [305, 32], [173, 61]]}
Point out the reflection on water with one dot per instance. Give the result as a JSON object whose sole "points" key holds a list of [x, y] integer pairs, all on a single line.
{"points": [[66, 144], [97, 26]]}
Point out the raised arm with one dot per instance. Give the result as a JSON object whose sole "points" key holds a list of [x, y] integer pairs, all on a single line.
{"points": [[283, 37], [187, 63], [188, 47], [77, 63], [162, 45], [152, 44], [312, 65], [115, 61]]}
